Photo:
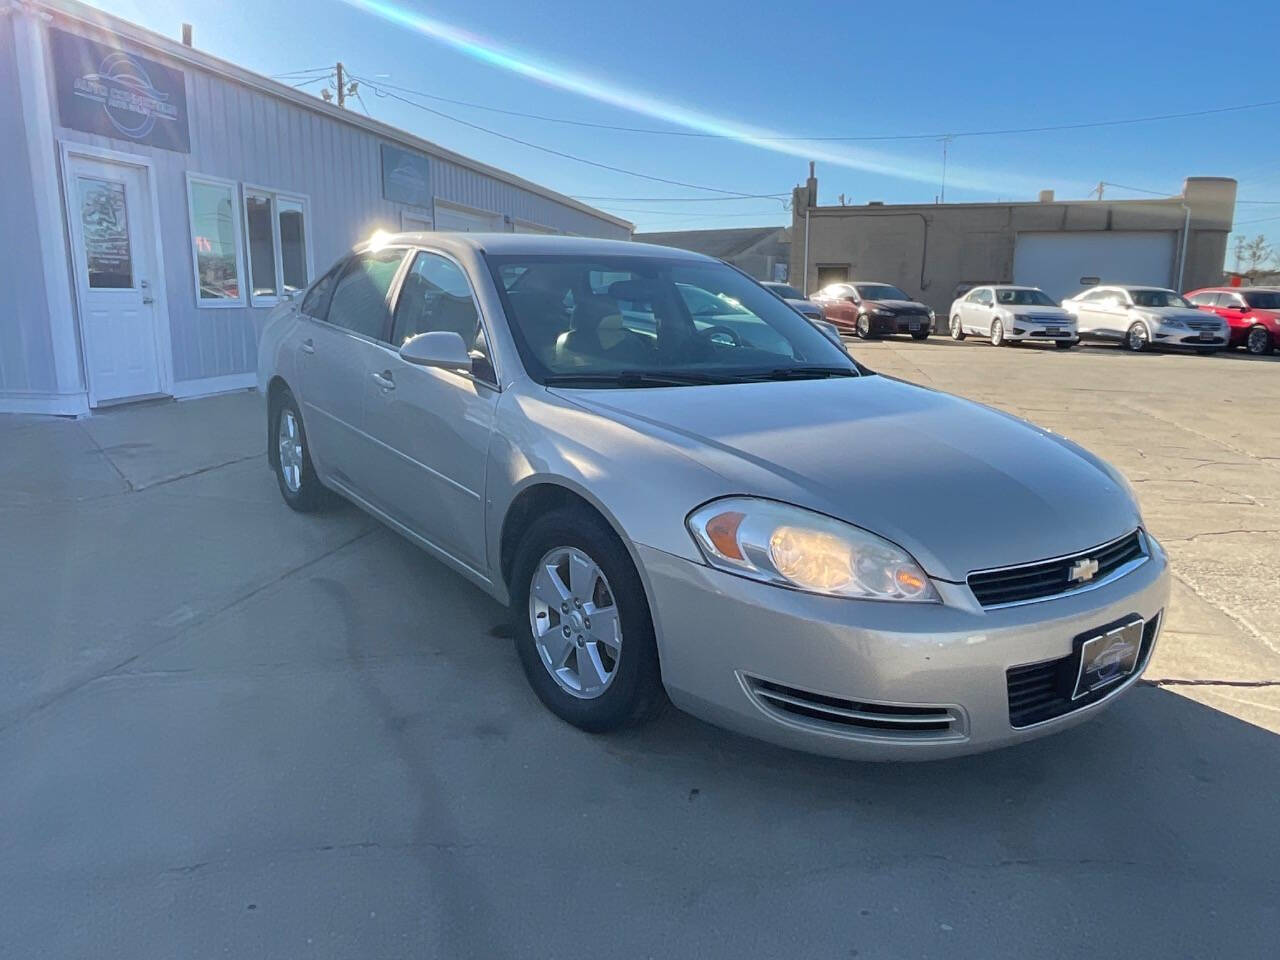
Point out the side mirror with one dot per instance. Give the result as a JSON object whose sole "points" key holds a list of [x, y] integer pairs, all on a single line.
{"points": [[438, 348]]}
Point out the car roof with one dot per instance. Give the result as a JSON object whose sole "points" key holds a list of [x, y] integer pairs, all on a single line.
{"points": [[531, 244], [1139, 286], [1006, 286]]}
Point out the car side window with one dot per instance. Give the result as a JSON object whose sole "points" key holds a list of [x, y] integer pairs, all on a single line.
{"points": [[436, 295], [359, 301], [1232, 301], [984, 297], [316, 301], [1206, 299]]}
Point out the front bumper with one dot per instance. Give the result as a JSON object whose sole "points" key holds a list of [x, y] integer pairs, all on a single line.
{"points": [[723, 640], [1029, 330], [1188, 339], [912, 323]]}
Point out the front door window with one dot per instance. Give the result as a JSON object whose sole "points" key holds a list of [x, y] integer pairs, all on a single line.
{"points": [[105, 219]]}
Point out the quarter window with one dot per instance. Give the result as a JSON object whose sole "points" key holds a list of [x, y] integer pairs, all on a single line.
{"points": [[215, 242], [360, 299]]}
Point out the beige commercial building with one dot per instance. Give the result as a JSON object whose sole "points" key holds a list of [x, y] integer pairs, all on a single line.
{"points": [[937, 251]]}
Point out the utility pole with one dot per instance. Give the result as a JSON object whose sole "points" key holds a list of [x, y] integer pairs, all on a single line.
{"points": [[342, 89], [1100, 187], [946, 142]]}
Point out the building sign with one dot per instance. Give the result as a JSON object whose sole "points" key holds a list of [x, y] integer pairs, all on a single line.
{"points": [[104, 90], [405, 177]]}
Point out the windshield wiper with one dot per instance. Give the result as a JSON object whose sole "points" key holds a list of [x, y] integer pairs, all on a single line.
{"points": [[798, 373], [633, 378]]}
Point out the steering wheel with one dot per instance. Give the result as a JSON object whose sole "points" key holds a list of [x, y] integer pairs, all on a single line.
{"points": [[721, 336]]}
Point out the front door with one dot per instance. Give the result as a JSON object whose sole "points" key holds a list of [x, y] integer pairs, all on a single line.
{"points": [[114, 250], [431, 427]]}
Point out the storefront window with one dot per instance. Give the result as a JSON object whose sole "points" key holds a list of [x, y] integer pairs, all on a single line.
{"points": [[215, 236], [262, 246], [293, 245]]}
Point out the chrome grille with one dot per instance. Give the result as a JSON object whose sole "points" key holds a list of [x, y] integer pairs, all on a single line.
{"points": [[1204, 325], [1051, 578], [837, 715]]}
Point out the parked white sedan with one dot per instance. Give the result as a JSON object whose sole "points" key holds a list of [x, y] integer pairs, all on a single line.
{"points": [[1008, 314], [1144, 317]]}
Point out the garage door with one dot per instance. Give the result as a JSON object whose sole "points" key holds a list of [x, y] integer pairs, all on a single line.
{"points": [[1062, 264], [524, 226], [449, 217]]}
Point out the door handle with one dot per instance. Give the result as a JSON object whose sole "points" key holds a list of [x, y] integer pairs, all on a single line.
{"points": [[147, 300], [308, 346], [384, 380]]}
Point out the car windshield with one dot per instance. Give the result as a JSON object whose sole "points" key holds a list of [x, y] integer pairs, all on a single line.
{"points": [[643, 321], [880, 291], [1025, 298], [1262, 299], [1158, 298], [785, 290]]}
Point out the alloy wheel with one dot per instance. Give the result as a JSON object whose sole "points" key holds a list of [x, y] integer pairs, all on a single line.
{"points": [[575, 623], [864, 326], [1259, 341], [289, 446], [997, 333], [1137, 338], [957, 332]]}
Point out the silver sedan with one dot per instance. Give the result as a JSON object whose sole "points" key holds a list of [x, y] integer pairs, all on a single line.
{"points": [[686, 492]]}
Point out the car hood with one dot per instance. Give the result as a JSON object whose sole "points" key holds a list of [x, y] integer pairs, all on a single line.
{"points": [[1028, 310], [805, 305], [906, 305], [961, 486], [1177, 313]]}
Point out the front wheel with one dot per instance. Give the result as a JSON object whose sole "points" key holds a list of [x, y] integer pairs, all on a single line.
{"points": [[1137, 339], [291, 458], [957, 331], [997, 334], [1259, 342], [583, 629], [864, 326]]}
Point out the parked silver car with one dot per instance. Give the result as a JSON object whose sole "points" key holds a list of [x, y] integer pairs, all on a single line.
{"points": [[741, 518], [1007, 314], [1144, 317]]}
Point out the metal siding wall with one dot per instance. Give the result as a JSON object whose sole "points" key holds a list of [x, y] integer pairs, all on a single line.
{"points": [[26, 351], [242, 135]]}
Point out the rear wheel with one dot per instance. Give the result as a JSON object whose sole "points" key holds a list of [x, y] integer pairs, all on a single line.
{"points": [[1259, 342], [997, 333], [1137, 339], [957, 331], [583, 629], [291, 457]]}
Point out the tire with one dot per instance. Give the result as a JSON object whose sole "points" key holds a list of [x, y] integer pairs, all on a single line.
{"points": [[997, 333], [864, 327], [1064, 344], [1259, 342], [920, 335], [605, 699], [291, 458], [1137, 339], [957, 331]]}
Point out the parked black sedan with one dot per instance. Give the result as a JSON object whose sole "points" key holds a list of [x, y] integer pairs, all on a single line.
{"points": [[871, 309]]}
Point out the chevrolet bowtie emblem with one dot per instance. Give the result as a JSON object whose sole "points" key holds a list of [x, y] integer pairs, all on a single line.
{"points": [[1082, 571]]}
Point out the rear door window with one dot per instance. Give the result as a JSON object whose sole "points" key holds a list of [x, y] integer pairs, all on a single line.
{"points": [[359, 301]]}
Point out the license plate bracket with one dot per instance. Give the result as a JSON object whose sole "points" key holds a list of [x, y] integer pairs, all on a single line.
{"points": [[1107, 656]]}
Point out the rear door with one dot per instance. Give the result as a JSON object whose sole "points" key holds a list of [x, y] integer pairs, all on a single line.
{"points": [[334, 357], [430, 428], [1232, 308]]}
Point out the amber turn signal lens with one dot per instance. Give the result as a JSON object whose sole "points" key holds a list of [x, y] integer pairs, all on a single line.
{"points": [[722, 531], [911, 583]]}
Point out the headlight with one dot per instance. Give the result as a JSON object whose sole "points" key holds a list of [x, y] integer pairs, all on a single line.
{"points": [[932, 316], [793, 547], [882, 312], [1173, 322]]}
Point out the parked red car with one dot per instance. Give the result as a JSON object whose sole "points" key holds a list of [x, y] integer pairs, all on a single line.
{"points": [[868, 310], [1252, 313]]}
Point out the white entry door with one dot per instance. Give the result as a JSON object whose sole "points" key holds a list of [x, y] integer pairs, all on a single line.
{"points": [[114, 249]]}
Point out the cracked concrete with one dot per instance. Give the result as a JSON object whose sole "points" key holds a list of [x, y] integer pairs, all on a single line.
{"points": [[226, 729]]}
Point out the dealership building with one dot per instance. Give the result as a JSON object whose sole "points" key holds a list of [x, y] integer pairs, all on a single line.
{"points": [[937, 251], [158, 201]]}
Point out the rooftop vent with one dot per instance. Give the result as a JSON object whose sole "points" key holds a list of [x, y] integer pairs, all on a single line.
{"points": [[1046, 196]]}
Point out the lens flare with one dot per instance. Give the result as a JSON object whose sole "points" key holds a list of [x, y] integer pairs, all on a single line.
{"points": [[486, 50]]}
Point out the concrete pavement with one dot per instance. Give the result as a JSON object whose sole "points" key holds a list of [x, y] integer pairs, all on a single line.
{"points": [[229, 730]]}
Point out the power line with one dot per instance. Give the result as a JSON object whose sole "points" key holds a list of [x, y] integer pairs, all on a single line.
{"points": [[1259, 201], [535, 146], [1121, 186], [743, 196], [306, 83], [830, 139], [300, 73], [685, 213], [1241, 223]]}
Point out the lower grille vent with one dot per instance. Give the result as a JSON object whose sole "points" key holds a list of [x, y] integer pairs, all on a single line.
{"points": [[852, 716]]}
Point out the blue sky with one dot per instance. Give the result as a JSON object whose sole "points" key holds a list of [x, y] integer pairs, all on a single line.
{"points": [[803, 68]]}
